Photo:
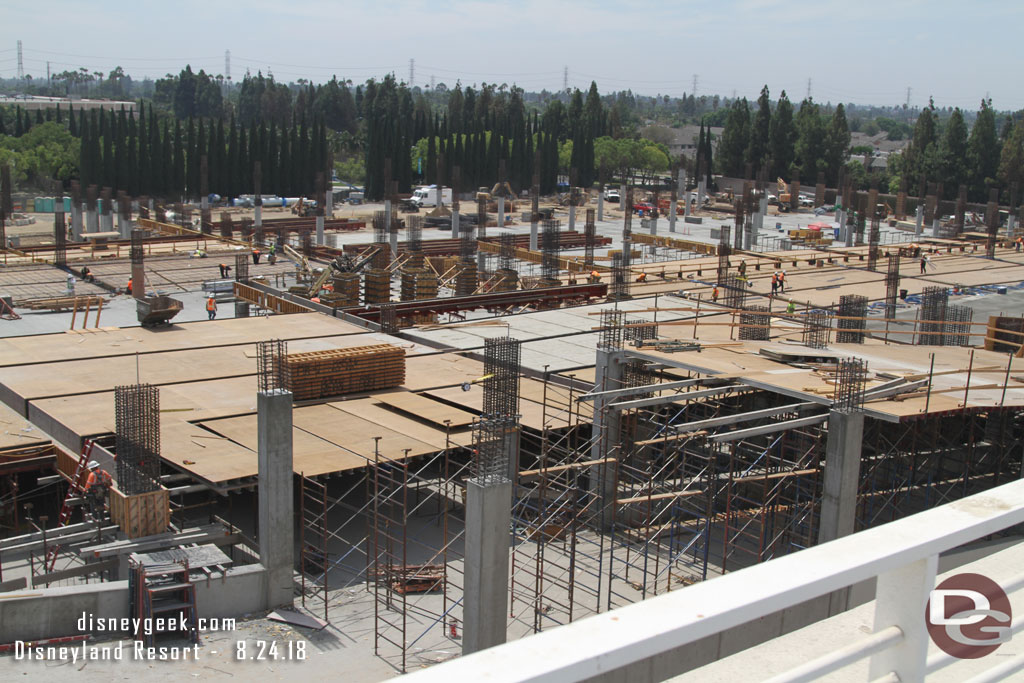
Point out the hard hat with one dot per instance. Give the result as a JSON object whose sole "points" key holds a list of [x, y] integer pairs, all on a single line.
{"points": [[93, 465]]}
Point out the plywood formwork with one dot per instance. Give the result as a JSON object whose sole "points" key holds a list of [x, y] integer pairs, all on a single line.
{"points": [[144, 514], [319, 374]]}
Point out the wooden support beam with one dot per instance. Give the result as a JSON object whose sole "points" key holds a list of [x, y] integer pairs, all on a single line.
{"points": [[562, 468]]}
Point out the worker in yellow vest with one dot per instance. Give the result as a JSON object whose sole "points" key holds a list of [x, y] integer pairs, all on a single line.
{"points": [[211, 307]]}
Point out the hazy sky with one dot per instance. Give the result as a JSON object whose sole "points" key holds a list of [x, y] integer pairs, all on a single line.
{"points": [[862, 51]]}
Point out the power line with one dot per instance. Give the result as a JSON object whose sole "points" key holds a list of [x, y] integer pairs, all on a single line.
{"points": [[21, 64]]}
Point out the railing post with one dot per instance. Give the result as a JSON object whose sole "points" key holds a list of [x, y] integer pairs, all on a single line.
{"points": [[900, 599]]}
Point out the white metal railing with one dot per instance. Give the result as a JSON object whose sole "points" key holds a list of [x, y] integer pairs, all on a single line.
{"points": [[903, 555]]}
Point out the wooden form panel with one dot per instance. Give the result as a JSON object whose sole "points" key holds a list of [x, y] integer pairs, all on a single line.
{"points": [[144, 514], [427, 409]]}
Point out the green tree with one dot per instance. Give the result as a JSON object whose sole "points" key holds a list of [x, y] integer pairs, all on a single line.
{"points": [[782, 139], [983, 153], [953, 154], [732, 147], [837, 145], [810, 142], [1011, 162], [760, 132]]}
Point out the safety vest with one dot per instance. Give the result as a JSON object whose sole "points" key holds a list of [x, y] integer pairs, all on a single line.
{"points": [[211, 305], [775, 278], [98, 478]]}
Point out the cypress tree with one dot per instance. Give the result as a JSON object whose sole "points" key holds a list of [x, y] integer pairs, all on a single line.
{"points": [[19, 128], [176, 186]]}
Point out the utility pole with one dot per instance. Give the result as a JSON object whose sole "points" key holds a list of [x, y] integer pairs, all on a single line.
{"points": [[227, 65], [808, 88], [412, 72], [565, 78], [21, 64], [694, 93]]}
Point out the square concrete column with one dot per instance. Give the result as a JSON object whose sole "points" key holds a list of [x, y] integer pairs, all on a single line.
{"points": [[701, 191], [319, 231], [138, 280], [501, 212], [392, 234], [485, 601], [842, 474], [276, 504], [533, 233], [329, 202], [76, 222], [918, 220], [257, 220], [92, 221], [572, 216], [600, 204], [456, 233]]}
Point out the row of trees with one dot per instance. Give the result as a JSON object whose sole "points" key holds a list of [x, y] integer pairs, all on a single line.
{"points": [[793, 146], [982, 160]]}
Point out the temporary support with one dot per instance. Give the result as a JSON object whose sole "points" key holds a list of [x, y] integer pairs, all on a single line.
{"points": [[606, 427], [488, 516], [918, 220], [276, 504]]}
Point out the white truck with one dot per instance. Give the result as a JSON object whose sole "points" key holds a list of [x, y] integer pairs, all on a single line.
{"points": [[426, 195]]}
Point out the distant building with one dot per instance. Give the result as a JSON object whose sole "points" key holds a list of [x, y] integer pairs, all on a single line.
{"points": [[33, 102], [685, 140]]}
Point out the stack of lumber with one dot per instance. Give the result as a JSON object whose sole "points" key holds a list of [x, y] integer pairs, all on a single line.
{"points": [[318, 374]]}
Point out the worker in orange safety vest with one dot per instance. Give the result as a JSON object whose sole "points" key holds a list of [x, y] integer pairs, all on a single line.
{"points": [[96, 487], [211, 307]]}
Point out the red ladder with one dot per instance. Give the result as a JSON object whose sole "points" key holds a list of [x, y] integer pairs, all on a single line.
{"points": [[75, 488]]}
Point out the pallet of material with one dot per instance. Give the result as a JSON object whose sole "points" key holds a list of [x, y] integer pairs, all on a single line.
{"points": [[143, 514], [319, 374], [60, 303]]}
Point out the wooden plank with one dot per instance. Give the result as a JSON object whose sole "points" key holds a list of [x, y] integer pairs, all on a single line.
{"points": [[659, 496], [427, 408], [562, 468], [143, 514]]}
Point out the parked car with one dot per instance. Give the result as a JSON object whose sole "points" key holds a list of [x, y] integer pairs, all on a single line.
{"points": [[611, 196]]}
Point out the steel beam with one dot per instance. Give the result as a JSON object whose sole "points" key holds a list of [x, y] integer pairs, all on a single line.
{"points": [[769, 429], [727, 420], [632, 391], [672, 398]]}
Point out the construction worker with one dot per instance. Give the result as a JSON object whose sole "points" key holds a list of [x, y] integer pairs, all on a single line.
{"points": [[225, 269], [791, 308], [775, 283], [924, 262], [256, 256], [743, 268], [211, 307], [1019, 241], [96, 487], [71, 284], [782, 282], [271, 257], [128, 289], [595, 276], [714, 293], [642, 277], [87, 275]]}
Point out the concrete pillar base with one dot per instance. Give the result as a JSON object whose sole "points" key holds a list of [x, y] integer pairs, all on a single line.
{"points": [[485, 605], [276, 503]]}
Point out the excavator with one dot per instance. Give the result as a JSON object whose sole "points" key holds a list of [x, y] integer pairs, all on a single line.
{"points": [[785, 199], [303, 209], [341, 264]]}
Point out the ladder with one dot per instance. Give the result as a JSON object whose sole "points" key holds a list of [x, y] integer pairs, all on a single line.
{"points": [[75, 488], [6, 312], [163, 591]]}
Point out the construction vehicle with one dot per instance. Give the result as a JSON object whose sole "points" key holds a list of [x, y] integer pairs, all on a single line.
{"points": [[425, 195], [304, 209], [785, 199], [320, 276]]}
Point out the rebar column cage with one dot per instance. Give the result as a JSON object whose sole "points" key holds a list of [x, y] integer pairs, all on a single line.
{"points": [[735, 291], [481, 218], [817, 329], [740, 206], [507, 251], [60, 241], [501, 369], [467, 245], [643, 330], [862, 216], [611, 330], [388, 318], [272, 366], [414, 234], [137, 254], [851, 376], [491, 454], [934, 301], [242, 267], [380, 228], [957, 329], [723, 255], [137, 432], [620, 284], [892, 283], [755, 324], [550, 242], [992, 216], [851, 331], [589, 238]]}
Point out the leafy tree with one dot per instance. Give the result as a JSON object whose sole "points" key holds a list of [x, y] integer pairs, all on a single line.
{"points": [[810, 142], [732, 147], [983, 153], [782, 139], [1011, 162], [837, 145], [953, 155], [760, 132]]}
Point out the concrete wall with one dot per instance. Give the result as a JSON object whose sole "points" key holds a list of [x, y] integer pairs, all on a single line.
{"points": [[54, 612]]}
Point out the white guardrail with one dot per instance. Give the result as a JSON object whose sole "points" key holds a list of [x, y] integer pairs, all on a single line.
{"points": [[903, 555]]}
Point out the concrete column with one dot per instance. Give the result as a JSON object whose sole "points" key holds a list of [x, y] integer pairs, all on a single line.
{"points": [[485, 605], [138, 280], [92, 221], [572, 217], [842, 471], [241, 309], [320, 231], [258, 218], [533, 234], [276, 504], [456, 233], [123, 226], [329, 202], [600, 204], [605, 432], [501, 212], [701, 191], [918, 220], [935, 224], [76, 222], [204, 211]]}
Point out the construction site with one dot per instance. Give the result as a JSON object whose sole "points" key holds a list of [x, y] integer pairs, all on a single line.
{"points": [[380, 440]]}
